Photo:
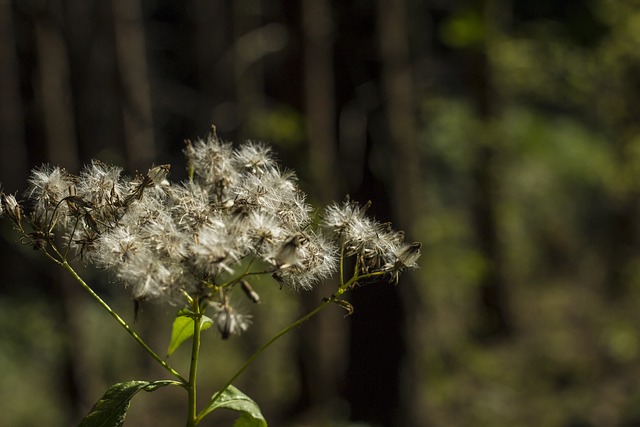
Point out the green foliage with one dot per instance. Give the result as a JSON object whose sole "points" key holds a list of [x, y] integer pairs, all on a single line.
{"points": [[235, 400], [183, 329], [464, 29], [564, 142], [111, 409], [279, 123]]}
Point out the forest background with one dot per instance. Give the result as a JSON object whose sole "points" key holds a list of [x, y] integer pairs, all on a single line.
{"points": [[503, 134]]}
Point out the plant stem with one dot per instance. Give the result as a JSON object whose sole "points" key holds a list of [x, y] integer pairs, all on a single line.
{"points": [[344, 287], [193, 371], [255, 355], [122, 323]]}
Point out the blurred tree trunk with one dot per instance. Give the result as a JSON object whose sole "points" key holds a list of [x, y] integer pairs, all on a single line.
{"points": [[95, 84], [378, 330], [213, 31], [494, 319], [321, 350], [399, 92], [13, 155], [319, 89], [398, 89], [248, 70], [55, 94], [135, 93], [621, 246]]}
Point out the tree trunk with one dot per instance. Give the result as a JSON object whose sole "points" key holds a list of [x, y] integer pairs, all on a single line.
{"points": [[399, 89], [494, 321], [55, 94], [134, 77], [322, 342], [13, 155]]}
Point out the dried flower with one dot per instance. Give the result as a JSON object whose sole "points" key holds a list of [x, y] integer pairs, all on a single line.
{"points": [[249, 292], [212, 164], [48, 187], [12, 209], [172, 242], [229, 321], [377, 246], [254, 157]]}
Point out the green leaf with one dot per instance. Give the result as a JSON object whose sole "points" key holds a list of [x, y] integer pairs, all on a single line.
{"points": [[112, 408], [246, 420], [183, 329], [235, 400]]}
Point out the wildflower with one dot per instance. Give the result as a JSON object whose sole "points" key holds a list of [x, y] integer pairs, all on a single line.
{"points": [[101, 185], [276, 192], [289, 253], [254, 158], [11, 209], [163, 240], [115, 247], [189, 205], [48, 187], [212, 164], [49, 184], [313, 260], [262, 230], [213, 249], [377, 246], [343, 220], [249, 292], [228, 320], [404, 256], [157, 175], [359, 235], [148, 277], [154, 178], [408, 255]]}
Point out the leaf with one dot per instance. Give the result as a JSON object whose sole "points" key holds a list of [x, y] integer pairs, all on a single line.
{"points": [[112, 407], [235, 400], [247, 420], [183, 329]]}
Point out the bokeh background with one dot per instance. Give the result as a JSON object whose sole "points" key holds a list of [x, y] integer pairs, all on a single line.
{"points": [[503, 134]]}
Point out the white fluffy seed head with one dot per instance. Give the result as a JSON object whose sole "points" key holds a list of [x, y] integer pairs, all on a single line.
{"points": [[162, 239]]}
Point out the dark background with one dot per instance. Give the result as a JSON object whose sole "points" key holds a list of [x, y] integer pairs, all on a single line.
{"points": [[503, 135]]}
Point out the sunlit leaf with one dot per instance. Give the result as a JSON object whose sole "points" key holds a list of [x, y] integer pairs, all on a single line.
{"points": [[183, 329], [235, 400], [247, 420], [112, 407]]}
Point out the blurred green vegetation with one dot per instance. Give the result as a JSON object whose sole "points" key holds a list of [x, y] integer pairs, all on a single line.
{"points": [[562, 133], [565, 139]]}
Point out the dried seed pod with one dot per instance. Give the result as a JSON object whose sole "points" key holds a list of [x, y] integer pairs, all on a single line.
{"points": [[248, 290], [12, 209], [288, 254]]}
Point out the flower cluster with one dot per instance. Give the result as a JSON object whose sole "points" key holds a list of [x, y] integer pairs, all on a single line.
{"points": [[376, 245], [171, 241]]}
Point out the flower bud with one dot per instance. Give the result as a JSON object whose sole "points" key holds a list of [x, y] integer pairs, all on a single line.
{"points": [[408, 255], [248, 290], [12, 209]]}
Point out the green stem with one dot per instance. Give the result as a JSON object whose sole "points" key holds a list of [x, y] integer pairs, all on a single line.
{"points": [[342, 265], [255, 355], [122, 323], [344, 287], [195, 352]]}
